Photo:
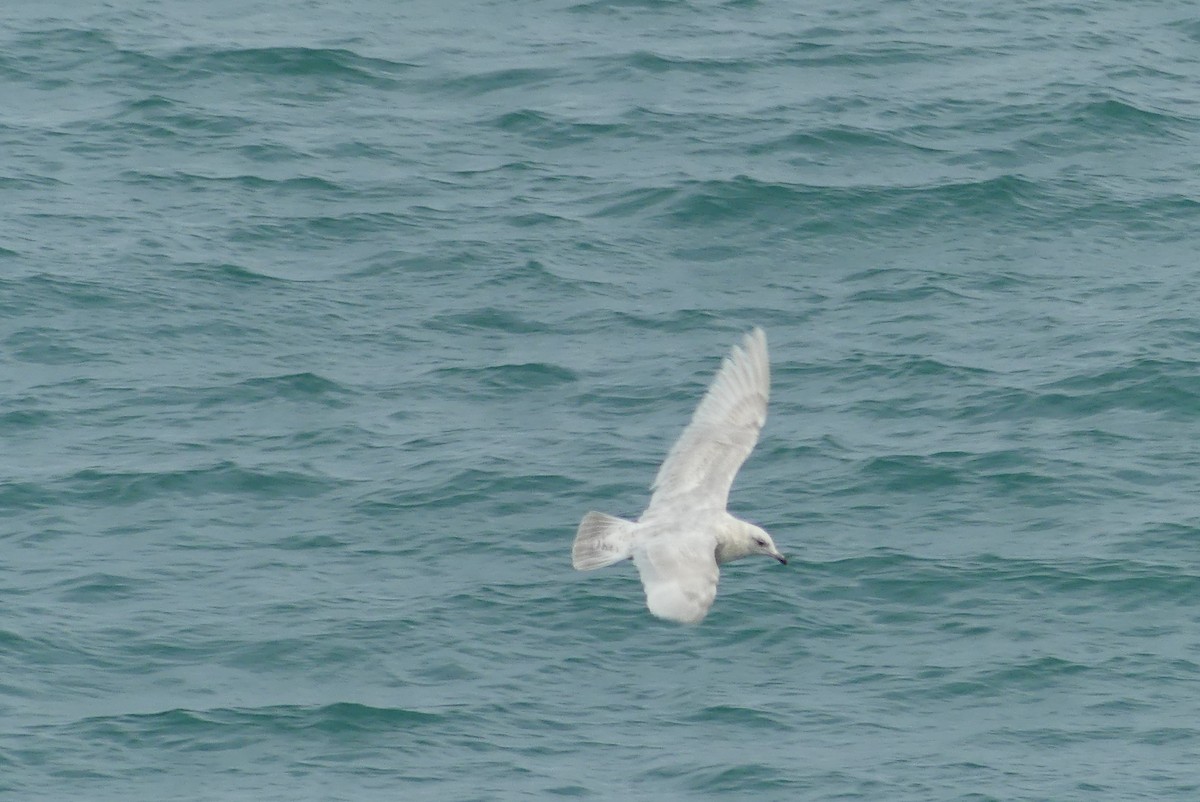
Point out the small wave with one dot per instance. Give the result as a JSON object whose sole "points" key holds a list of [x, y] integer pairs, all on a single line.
{"points": [[474, 484], [306, 185], [748, 717], [227, 273], [291, 385], [534, 276], [233, 728], [746, 200], [838, 140], [316, 232], [610, 7], [753, 777], [21, 420], [108, 487], [95, 587], [272, 63], [489, 319], [495, 80], [44, 347], [913, 472], [525, 376], [1170, 387], [648, 61], [157, 117], [298, 388], [545, 130], [631, 203], [1115, 117], [46, 291], [916, 584]]}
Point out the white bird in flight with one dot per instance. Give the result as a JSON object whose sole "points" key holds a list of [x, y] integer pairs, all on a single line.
{"points": [[685, 533]]}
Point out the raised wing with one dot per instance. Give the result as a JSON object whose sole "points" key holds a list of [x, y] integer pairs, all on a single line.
{"points": [[700, 467], [680, 579]]}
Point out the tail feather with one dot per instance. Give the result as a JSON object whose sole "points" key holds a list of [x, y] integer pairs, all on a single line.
{"points": [[601, 540]]}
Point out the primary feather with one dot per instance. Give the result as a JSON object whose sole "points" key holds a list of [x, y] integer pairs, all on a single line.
{"points": [[700, 467]]}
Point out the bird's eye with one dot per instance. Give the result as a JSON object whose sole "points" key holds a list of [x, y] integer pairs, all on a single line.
{"points": [[760, 541]]}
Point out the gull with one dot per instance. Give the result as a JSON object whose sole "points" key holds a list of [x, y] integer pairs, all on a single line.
{"points": [[686, 533]]}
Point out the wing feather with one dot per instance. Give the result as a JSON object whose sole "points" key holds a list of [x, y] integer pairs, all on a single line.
{"points": [[680, 579], [701, 466]]}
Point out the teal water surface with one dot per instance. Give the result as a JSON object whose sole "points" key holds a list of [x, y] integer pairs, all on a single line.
{"points": [[322, 325]]}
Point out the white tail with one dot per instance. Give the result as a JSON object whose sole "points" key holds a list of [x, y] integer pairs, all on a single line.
{"points": [[601, 540]]}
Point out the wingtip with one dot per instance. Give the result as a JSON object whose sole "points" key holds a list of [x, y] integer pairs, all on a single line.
{"points": [[755, 345]]}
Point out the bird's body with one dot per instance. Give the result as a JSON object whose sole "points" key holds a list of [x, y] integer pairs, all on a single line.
{"points": [[685, 533]]}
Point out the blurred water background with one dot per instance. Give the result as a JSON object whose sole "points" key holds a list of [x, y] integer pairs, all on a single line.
{"points": [[321, 326]]}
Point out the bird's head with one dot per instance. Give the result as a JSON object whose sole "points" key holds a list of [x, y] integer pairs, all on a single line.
{"points": [[749, 539], [764, 545]]}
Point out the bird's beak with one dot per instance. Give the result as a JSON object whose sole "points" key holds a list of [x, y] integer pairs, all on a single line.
{"points": [[779, 557]]}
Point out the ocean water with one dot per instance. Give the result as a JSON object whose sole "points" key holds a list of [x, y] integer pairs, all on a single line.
{"points": [[322, 325]]}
